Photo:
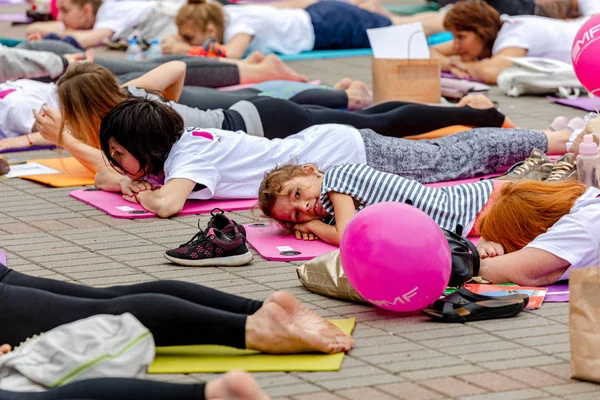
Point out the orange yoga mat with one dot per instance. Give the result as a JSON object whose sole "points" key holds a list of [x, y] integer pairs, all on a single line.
{"points": [[73, 173], [450, 130]]}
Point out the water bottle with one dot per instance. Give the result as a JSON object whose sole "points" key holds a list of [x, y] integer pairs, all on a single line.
{"points": [[134, 51], [154, 51], [588, 162]]}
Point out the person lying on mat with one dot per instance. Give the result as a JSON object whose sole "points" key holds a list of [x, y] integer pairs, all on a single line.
{"points": [[536, 233], [87, 23], [559, 9], [306, 25], [147, 142], [176, 313], [482, 40], [235, 385], [201, 71]]}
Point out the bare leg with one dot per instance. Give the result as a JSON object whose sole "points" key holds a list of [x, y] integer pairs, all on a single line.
{"points": [[284, 325], [271, 68], [234, 385], [290, 3]]}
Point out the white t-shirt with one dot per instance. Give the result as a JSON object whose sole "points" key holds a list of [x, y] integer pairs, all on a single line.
{"points": [[118, 15], [541, 37], [275, 30], [17, 99], [589, 7], [575, 236], [232, 164]]}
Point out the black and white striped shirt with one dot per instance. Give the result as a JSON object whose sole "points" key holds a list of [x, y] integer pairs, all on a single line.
{"points": [[448, 206]]}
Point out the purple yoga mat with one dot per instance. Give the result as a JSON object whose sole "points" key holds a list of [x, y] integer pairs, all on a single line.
{"points": [[2, 257], [450, 75], [584, 103], [28, 149], [558, 293], [17, 17]]}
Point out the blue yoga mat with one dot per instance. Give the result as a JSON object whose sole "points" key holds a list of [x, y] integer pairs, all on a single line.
{"points": [[321, 54], [9, 42]]}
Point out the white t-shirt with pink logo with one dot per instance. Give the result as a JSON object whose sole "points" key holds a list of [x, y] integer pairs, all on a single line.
{"points": [[231, 165]]}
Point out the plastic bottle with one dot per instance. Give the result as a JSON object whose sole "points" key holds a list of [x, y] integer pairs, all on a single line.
{"points": [[588, 162], [154, 51], [134, 51]]}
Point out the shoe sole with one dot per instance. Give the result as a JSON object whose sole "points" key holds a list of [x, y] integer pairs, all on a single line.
{"points": [[232, 261]]}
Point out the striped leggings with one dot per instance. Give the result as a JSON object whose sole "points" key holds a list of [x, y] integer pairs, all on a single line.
{"points": [[467, 154]]}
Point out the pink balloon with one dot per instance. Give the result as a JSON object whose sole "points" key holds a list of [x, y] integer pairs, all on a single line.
{"points": [[396, 257], [586, 54]]}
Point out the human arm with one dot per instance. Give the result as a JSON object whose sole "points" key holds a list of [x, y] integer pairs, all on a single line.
{"points": [[24, 141], [343, 205], [443, 52], [166, 201], [489, 69], [89, 38], [167, 78], [109, 180], [525, 267], [45, 27], [237, 46]]}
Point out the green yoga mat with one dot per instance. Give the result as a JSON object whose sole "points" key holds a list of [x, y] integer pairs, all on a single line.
{"points": [[10, 42], [411, 9], [205, 358]]}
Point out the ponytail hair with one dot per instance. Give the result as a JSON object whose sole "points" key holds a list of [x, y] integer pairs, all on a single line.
{"points": [[200, 13]]}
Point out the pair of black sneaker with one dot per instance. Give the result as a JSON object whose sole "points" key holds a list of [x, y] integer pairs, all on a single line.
{"points": [[221, 243]]}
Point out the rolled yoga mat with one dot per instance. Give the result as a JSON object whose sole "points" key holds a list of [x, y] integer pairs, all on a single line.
{"points": [[206, 358]]}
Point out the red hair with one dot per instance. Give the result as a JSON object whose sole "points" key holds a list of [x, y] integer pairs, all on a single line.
{"points": [[523, 210]]}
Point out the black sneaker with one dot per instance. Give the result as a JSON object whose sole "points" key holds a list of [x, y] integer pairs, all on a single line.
{"points": [[212, 248], [223, 223]]}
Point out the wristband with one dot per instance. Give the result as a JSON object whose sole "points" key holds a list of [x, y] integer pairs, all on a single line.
{"points": [[29, 140]]}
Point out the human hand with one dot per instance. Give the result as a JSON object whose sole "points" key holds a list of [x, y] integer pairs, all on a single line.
{"points": [[136, 187], [303, 231], [34, 37], [131, 199], [5, 348], [175, 46], [48, 123], [88, 56], [489, 249]]}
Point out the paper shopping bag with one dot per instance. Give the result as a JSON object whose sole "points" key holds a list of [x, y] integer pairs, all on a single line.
{"points": [[406, 80], [584, 323]]}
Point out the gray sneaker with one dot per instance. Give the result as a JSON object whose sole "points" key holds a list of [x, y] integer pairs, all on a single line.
{"points": [[563, 169], [531, 168]]}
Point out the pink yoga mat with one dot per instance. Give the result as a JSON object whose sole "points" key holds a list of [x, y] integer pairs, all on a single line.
{"points": [[114, 205], [450, 75], [16, 17], [583, 103], [271, 244]]}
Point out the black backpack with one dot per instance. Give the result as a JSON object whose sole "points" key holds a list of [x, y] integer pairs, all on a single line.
{"points": [[465, 257]]}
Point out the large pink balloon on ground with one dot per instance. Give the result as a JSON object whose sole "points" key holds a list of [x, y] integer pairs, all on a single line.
{"points": [[396, 257], [586, 54]]}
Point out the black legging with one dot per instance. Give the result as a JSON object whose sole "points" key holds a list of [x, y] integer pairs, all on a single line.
{"points": [[113, 389], [177, 313], [282, 118]]}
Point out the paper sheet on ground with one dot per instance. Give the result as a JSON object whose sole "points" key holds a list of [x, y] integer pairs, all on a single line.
{"points": [[206, 358], [30, 168], [399, 42]]}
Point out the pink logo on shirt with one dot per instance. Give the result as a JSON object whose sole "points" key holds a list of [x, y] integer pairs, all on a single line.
{"points": [[6, 92], [206, 135]]}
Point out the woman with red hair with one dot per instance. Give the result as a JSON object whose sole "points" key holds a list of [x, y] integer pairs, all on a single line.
{"points": [[483, 40], [545, 228]]}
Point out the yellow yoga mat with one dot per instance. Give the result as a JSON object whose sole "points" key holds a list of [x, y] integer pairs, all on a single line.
{"points": [[208, 358], [73, 173]]}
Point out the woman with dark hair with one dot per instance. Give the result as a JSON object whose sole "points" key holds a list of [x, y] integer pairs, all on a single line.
{"points": [[483, 40]]}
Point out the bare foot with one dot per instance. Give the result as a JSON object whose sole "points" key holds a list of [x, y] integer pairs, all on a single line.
{"points": [[343, 84], [255, 58], [477, 101], [278, 70], [374, 6], [283, 325], [234, 385], [5, 348], [359, 96]]}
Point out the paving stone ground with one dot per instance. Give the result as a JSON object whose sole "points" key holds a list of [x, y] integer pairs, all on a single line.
{"points": [[47, 233]]}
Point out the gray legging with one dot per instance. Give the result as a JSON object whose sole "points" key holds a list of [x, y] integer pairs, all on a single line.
{"points": [[463, 155], [202, 71]]}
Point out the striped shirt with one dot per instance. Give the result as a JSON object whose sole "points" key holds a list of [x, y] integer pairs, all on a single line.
{"points": [[448, 206]]}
